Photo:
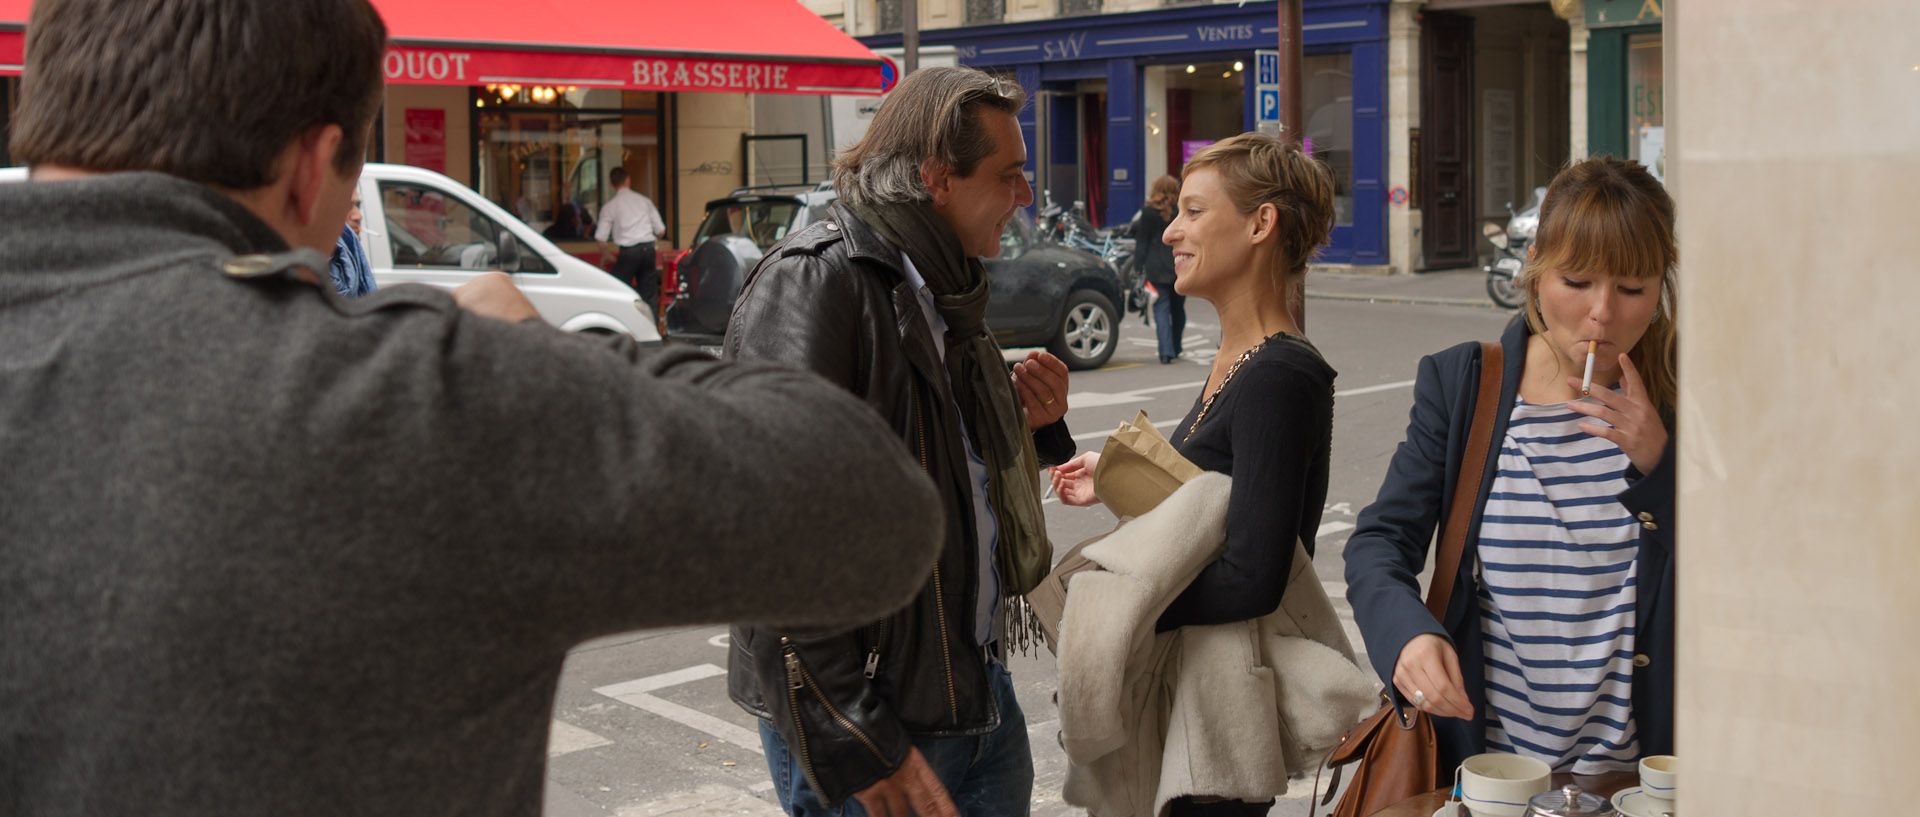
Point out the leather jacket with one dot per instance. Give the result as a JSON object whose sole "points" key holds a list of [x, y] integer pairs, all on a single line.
{"points": [[833, 298]]}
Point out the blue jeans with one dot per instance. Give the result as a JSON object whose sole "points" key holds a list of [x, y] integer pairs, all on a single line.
{"points": [[988, 775], [1170, 320]]}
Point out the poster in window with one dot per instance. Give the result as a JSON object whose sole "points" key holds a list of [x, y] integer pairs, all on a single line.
{"points": [[427, 138]]}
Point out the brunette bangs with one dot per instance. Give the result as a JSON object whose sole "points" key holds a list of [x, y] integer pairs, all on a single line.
{"points": [[1606, 228]]}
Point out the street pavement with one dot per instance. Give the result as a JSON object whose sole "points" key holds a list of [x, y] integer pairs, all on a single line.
{"points": [[642, 724]]}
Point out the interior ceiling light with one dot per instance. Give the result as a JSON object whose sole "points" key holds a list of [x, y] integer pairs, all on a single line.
{"points": [[1189, 69], [1226, 75], [1239, 66]]}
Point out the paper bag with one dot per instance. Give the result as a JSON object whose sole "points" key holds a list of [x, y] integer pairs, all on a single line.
{"points": [[1138, 469]]}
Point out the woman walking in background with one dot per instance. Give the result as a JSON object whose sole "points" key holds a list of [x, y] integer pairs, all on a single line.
{"points": [[1560, 645], [1170, 308]]}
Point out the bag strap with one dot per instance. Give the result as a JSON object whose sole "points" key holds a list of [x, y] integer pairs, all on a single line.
{"points": [[1453, 538]]}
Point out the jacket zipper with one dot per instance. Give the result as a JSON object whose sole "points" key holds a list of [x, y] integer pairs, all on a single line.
{"points": [[873, 654], [798, 678], [946, 650], [939, 595], [794, 685]]}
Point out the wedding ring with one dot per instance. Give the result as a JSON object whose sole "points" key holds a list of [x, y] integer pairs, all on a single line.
{"points": [[1418, 698], [1047, 402]]}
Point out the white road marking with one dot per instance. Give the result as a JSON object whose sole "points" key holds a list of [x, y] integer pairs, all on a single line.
{"points": [[1091, 435], [1332, 527], [1398, 384], [637, 693], [1091, 399], [722, 640], [565, 738], [706, 801], [654, 683]]}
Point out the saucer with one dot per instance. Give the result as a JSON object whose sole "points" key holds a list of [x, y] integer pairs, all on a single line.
{"points": [[1634, 802]]}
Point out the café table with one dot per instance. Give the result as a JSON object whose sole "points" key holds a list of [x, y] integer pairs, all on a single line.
{"points": [[1426, 804]]}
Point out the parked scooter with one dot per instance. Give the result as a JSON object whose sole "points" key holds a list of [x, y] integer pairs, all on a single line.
{"points": [[1510, 243]]}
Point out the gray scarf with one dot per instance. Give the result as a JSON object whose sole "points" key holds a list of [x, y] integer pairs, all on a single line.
{"points": [[981, 386]]}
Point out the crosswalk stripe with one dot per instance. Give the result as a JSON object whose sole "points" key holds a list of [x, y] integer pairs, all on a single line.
{"points": [[564, 738], [638, 693], [654, 683]]}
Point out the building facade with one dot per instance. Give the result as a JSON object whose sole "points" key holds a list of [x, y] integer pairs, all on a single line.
{"points": [[1434, 115]]}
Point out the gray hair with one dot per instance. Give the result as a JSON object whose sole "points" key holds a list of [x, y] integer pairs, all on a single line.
{"points": [[933, 114]]}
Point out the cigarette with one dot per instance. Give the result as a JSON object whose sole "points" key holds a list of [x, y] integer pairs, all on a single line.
{"points": [[1586, 380]]}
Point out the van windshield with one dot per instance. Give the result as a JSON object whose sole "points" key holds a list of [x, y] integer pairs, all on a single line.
{"points": [[763, 221]]}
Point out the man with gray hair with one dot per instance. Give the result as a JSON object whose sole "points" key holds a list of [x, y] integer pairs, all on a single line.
{"points": [[189, 622], [886, 296]]}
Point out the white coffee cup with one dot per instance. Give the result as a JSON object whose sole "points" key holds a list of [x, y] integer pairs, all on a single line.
{"points": [[1657, 776], [1497, 784]]}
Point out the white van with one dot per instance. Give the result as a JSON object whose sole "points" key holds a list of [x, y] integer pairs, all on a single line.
{"points": [[422, 227]]}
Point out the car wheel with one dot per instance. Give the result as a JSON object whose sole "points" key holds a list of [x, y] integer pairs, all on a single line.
{"points": [[1088, 332]]}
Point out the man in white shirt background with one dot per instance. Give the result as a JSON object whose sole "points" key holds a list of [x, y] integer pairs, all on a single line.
{"points": [[630, 222]]}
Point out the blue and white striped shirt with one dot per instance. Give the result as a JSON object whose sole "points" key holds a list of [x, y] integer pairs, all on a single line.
{"points": [[1557, 558]]}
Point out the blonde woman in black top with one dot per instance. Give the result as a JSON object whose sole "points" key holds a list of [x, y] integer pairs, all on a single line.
{"points": [[1251, 212]]}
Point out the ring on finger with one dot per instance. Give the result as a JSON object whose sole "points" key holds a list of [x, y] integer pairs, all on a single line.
{"points": [[1418, 699], [1047, 402]]}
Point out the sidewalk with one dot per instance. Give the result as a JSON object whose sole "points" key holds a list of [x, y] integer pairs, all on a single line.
{"points": [[1458, 287]]}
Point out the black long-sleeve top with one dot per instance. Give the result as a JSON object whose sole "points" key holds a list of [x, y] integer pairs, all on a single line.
{"points": [[1156, 258], [1271, 429]]}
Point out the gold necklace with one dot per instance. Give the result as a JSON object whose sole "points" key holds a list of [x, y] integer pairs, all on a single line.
{"points": [[1228, 378]]}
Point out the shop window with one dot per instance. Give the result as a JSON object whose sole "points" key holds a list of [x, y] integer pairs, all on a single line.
{"points": [[1327, 103], [1646, 125], [544, 153], [1202, 103], [430, 228]]}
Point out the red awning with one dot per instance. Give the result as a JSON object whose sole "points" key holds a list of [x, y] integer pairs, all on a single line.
{"points": [[760, 46], [13, 42]]}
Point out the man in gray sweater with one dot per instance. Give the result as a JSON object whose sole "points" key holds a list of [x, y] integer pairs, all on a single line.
{"points": [[264, 550]]}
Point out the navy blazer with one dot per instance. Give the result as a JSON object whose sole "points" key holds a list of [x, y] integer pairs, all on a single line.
{"points": [[1390, 546]]}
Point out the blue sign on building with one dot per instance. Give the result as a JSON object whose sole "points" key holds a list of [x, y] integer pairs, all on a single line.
{"points": [[1269, 105], [1268, 70]]}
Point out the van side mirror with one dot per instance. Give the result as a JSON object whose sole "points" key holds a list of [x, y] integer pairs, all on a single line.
{"points": [[509, 252]]}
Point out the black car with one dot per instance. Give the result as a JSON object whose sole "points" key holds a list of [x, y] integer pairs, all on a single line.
{"points": [[1042, 293]]}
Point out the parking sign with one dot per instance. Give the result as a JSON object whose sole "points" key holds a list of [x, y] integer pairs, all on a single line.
{"points": [[1269, 105]]}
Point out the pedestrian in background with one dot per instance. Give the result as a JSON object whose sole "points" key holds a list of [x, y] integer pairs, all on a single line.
{"points": [[1560, 643], [265, 551], [352, 275], [1156, 259], [1251, 212], [630, 223], [886, 297]]}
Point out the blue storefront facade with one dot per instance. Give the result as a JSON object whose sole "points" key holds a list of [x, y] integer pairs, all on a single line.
{"points": [[1118, 99]]}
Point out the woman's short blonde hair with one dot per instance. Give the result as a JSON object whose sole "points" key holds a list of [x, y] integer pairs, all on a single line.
{"points": [[1258, 168], [1608, 215]]}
